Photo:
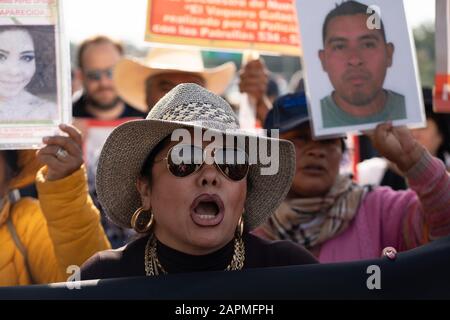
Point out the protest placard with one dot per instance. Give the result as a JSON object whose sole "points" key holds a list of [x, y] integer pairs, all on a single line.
{"points": [[34, 72], [360, 65], [95, 133], [262, 25]]}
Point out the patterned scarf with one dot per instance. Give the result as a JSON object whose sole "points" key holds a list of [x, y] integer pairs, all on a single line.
{"points": [[312, 221]]}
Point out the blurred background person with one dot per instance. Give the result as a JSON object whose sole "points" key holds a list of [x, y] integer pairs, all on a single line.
{"points": [[254, 79], [97, 58], [144, 82], [99, 100]]}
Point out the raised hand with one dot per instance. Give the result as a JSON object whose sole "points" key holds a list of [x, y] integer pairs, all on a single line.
{"points": [[254, 78], [62, 155], [397, 145]]}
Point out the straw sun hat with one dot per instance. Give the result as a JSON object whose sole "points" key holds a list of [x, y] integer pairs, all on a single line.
{"points": [[131, 74], [185, 106]]}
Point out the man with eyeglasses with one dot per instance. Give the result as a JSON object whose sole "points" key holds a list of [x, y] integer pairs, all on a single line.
{"points": [[97, 58]]}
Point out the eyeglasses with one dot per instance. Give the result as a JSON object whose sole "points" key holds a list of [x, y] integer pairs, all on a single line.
{"points": [[184, 160], [96, 75]]}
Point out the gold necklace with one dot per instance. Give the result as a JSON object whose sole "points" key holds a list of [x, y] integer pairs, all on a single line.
{"points": [[153, 267]]}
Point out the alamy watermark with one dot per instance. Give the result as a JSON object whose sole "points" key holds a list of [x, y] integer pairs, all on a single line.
{"points": [[73, 281], [374, 280], [374, 21]]}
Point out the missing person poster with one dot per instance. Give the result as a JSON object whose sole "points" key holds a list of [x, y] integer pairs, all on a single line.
{"points": [[262, 25], [360, 65], [34, 72]]}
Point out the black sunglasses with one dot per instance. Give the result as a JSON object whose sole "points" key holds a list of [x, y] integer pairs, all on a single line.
{"points": [[96, 75], [184, 160]]}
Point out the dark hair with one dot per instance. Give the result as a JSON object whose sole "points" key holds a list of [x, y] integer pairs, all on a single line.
{"points": [[96, 41], [146, 169], [12, 168], [348, 8], [44, 79], [442, 122]]}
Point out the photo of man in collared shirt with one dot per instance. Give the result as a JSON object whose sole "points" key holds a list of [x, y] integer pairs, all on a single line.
{"points": [[356, 59]]}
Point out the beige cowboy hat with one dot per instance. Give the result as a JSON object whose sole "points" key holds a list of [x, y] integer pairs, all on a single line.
{"points": [[186, 106], [130, 74]]}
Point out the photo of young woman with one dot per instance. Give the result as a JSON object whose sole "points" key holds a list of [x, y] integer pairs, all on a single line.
{"points": [[27, 74]]}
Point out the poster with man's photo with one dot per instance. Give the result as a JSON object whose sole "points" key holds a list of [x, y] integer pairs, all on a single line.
{"points": [[360, 65], [34, 73]]}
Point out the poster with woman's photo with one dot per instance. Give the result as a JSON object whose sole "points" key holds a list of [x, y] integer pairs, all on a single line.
{"points": [[34, 73], [360, 65]]}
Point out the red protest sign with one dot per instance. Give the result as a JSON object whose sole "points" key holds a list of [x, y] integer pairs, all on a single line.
{"points": [[441, 99], [263, 25]]}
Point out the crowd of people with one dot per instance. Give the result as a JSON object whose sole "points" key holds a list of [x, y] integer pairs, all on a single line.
{"points": [[169, 207]]}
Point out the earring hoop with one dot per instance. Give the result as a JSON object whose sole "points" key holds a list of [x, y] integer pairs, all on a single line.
{"points": [[240, 227], [137, 226]]}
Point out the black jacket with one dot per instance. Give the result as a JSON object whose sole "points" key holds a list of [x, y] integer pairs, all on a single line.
{"points": [[129, 260], [79, 110]]}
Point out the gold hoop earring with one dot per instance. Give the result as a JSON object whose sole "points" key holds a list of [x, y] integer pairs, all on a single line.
{"points": [[138, 223], [240, 227]]}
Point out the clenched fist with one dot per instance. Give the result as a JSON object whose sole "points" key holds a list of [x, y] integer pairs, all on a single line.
{"points": [[397, 145]]}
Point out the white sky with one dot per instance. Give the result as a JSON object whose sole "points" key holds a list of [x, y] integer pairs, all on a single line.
{"points": [[125, 19]]}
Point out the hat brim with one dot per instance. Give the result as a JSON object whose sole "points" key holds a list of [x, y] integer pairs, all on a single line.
{"points": [[130, 76], [293, 124], [127, 147]]}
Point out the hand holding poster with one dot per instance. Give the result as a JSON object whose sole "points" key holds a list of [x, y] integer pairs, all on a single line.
{"points": [[360, 65], [34, 81]]}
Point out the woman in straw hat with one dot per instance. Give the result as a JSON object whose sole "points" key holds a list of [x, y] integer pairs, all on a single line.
{"points": [[194, 206]]}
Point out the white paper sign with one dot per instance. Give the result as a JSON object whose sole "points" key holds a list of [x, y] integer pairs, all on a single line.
{"points": [[360, 65], [34, 72]]}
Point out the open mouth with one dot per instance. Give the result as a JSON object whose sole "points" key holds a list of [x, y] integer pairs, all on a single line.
{"points": [[207, 210]]}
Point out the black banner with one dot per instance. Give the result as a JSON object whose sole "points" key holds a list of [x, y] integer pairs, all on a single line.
{"points": [[422, 273]]}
